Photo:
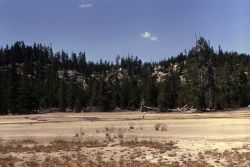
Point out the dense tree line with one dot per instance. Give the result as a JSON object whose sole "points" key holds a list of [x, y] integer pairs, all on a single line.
{"points": [[33, 77]]}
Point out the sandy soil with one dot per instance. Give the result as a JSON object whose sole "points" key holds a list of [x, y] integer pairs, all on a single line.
{"points": [[200, 138]]}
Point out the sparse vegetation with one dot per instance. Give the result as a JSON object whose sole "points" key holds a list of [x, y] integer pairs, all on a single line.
{"points": [[56, 145], [120, 135], [161, 126], [167, 146], [157, 126], [164, 127], [108, 136], [106, 128], [131, 125], [8, 161], [109, 129]]}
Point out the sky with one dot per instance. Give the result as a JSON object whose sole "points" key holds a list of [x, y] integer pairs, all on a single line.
{"points": [[150, 29]]}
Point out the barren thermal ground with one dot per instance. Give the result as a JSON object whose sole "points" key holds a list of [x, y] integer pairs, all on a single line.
{"points": [[126, 139]]}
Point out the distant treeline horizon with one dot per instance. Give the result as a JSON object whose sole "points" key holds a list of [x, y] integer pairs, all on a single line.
{"points": [[34, 77]]}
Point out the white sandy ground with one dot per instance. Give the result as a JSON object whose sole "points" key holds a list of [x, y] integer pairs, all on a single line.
{"points": [[193, 132]]}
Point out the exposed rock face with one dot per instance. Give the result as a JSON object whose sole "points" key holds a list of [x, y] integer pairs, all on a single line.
{"points": [[72, 75], [160, 73]]}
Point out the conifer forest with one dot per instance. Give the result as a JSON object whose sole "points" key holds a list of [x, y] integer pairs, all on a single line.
{"points": [[204, 78]]}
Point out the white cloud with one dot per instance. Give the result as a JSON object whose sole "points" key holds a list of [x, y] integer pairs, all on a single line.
{"points": [[146, 35], [149, 36], [154, 38], [87, 5]]}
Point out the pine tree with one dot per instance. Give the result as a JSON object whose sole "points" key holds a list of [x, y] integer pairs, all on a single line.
{"points": [[104, 96], [78, 105], [168, 92], [162, 96], [1, 95], [150, 92], [124, 93], [62, 96], [94, 89], [4, 86], [116, 93], [71, 95], [211, 87], [81, 99], [82, 62], [243, 89], [173, 89], [13, 89], [26, 101], [134, 94], [202, 75]]}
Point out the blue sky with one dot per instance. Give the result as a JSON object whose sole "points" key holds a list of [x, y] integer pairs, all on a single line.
{"points": [[150, 29]]}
